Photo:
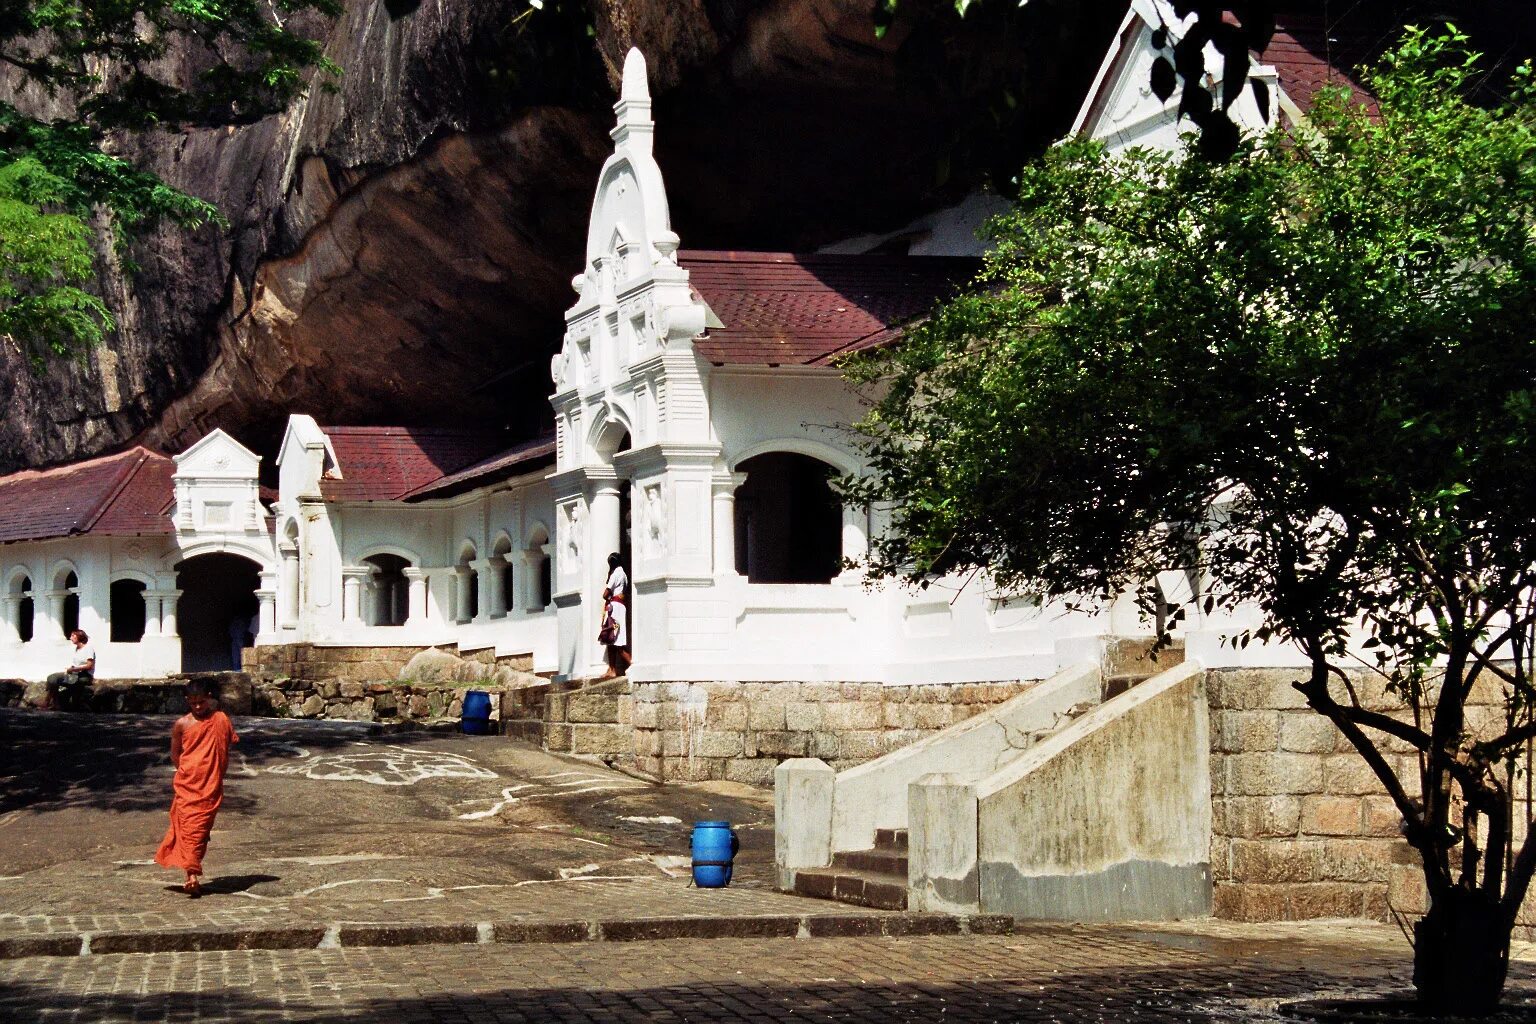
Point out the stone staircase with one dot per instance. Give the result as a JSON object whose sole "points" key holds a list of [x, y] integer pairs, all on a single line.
{"points": [[866, 878], [878, 877]]}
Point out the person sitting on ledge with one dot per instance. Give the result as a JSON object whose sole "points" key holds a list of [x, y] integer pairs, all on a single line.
{"points": [[77, 678]]}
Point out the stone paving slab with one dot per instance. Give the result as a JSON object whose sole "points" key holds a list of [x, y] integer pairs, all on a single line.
{"points": [[624, 929], [1061, 974]]}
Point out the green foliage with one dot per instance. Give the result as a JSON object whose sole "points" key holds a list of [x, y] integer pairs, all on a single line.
{"points": [[110, 65], [46, 256], [1306, 375]]}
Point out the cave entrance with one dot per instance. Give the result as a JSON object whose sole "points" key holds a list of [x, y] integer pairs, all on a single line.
{"points": [[218, 601]]}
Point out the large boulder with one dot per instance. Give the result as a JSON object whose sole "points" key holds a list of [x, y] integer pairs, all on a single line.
{"points": [[400, 248], [437, 667]]}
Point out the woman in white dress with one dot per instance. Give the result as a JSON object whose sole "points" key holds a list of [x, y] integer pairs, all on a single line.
{"points": [[616, 613]]}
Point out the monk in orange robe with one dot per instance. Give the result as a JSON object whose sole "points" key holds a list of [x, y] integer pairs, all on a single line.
{"points": [[200, 742]]}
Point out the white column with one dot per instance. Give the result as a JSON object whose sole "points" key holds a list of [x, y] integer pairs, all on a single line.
{"points": [[352, 577], [537, 600], [55, 622], [489, 581], [168, 612], [725, 522], [602, 540], [461, 593], [416, 584], [855, 533], [10, 607], [151, 612], [266, 604], [289, 589]]}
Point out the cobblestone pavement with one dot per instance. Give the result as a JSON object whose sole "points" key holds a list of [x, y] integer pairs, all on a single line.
{"points": [[327, 823], [1042, 974]]}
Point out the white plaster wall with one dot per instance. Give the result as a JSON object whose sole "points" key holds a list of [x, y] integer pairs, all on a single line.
{"points": [[431, 536], [97, 562]]}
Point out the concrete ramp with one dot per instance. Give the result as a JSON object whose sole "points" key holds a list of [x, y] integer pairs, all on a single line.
{"points": [[820, 812], [1107, 819]]}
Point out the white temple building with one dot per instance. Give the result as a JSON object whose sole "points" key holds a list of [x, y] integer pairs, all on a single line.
{"points": [[699, 415]]}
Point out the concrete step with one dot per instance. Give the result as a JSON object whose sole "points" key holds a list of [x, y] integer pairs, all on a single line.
{"points": [[860, 888], [884, 862], [891, 839]]}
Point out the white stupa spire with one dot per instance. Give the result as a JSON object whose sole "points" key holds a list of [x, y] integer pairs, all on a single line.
{"points": [[635, 129]]}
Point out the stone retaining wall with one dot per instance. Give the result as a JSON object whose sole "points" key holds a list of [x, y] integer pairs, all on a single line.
{"points": [[1301, 828], [138, 696], [741, 731], [359, 664]]}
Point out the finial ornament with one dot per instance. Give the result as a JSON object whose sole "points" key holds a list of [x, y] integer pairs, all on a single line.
{"points": [[634, 128]]}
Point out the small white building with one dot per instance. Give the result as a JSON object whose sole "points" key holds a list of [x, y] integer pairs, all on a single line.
{"points": [[113, 545]]}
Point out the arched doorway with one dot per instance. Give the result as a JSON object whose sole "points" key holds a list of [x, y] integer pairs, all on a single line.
{"points": [[788, 520], [218, 601], [391, 590]]}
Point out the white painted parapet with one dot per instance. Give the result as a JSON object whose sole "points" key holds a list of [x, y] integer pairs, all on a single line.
{"points": [[802, 795], [873, 795], [1109, 819]]}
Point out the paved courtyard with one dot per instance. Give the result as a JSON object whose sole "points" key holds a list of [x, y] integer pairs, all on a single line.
{"points": [[495, 865], [327, 822]]}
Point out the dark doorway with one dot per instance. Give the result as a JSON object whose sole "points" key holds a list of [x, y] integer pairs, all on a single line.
{"points": [[71, 610], [391, 591], [127, 611], [626, 508], [22, 591], [218, 601], [789, 524]]}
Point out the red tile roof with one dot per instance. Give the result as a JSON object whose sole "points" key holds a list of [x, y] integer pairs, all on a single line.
{"points": [[386, 463], [1308, 53], [524, 458], [123, 494], [804, 309]]}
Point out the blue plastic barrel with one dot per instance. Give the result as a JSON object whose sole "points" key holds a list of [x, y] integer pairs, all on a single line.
{"points": [[476, 718], [714, 847]]}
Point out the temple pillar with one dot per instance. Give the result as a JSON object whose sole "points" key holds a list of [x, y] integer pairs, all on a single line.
{"points": [[352, 579], [168, 599], [488, 579], [266, 604], [289, 589], [724, 502], [416, 600]]}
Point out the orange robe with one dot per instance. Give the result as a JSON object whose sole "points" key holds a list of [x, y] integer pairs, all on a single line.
{"points": [[199, 786]]}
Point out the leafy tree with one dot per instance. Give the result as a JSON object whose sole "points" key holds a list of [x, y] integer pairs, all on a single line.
{"points": [[1307, 375], [114, 67]]}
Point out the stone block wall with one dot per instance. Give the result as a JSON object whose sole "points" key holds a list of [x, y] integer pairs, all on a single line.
{"points": [[1301, 827], [165, 696], [308, 661], [741, 731]]}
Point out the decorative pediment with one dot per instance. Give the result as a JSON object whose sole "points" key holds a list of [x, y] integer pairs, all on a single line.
{"points": [[218, 456], [1122, 110]]}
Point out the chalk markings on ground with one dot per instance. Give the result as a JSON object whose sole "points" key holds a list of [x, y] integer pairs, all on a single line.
{"points": [[387, 766], [558, 784]]}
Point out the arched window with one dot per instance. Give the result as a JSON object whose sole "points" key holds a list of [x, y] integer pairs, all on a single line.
{"points": [[21, 593], [69, 617], [391, 592], [789, 524], [126, 602]]}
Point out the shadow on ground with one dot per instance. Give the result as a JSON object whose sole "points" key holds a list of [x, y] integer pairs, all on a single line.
{"points": [[53, 761], [1246, 992]]}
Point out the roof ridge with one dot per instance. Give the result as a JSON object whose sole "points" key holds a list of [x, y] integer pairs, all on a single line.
{"points": [[118, 487]]}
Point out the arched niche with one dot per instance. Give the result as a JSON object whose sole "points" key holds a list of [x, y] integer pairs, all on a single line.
{"points": [[788, 520]]}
